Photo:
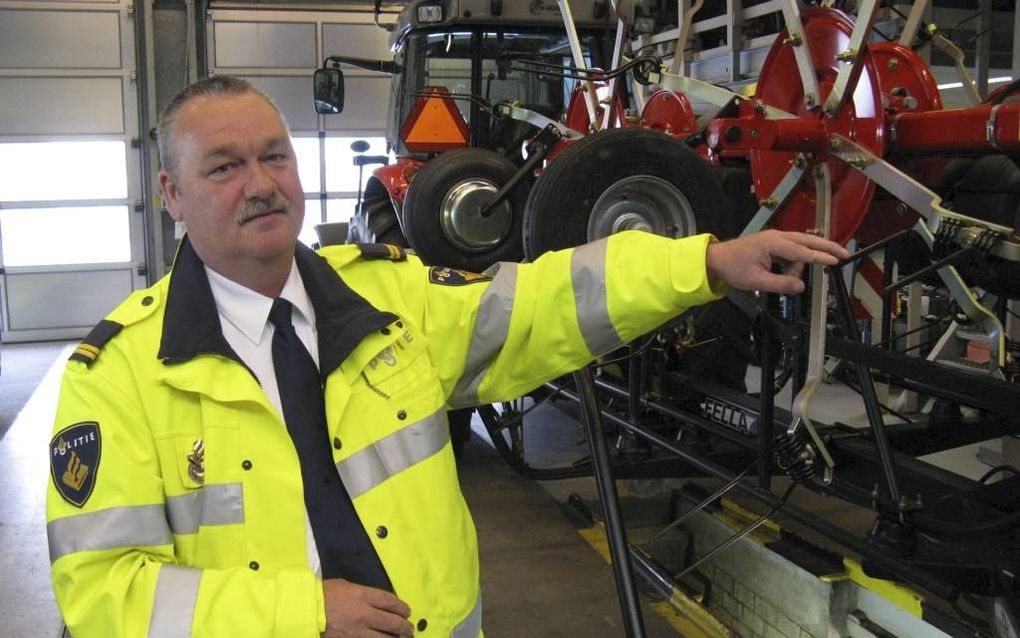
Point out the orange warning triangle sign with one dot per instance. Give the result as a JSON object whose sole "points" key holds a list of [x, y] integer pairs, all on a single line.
{"points": [[435, 123]]}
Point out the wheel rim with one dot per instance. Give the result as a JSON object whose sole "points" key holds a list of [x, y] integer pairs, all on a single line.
{"points": [[642, 202], [463, 223]]}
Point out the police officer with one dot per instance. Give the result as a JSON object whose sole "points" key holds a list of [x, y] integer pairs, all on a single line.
{"points": [[197, 488]]}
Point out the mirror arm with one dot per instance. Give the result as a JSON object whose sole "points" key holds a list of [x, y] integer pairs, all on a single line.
{"points": [[382, 66]]}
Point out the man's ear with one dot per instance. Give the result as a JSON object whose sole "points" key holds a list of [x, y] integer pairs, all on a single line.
{"points": [[168, 187]]}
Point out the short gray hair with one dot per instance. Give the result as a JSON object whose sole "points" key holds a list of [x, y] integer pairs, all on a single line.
{"points": [[206, 87]]}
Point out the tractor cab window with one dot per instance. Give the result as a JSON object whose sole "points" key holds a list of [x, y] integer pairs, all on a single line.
{"points": [[526, 67]]}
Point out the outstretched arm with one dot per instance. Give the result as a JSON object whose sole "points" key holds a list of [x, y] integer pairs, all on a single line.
{"points": [[746, 263]]}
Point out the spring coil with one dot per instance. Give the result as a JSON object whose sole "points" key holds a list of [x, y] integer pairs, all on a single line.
{"points": [[1012, 368], [795, 454]]}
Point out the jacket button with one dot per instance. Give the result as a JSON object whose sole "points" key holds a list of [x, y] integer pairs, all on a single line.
{"points": [[336, 443], [246, 464], [254, 566], [385, 331], [400, 324], [382, 532], [422, 624], [147, 300], [402, 415]]}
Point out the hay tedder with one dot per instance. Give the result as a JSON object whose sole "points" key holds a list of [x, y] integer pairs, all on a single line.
{"points": [[842, 136]]}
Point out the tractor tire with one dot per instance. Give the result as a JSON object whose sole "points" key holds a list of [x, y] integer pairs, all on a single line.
{"points": [[375, 222], [442, 211], [739, 187], [622, 179], [638, 178]]}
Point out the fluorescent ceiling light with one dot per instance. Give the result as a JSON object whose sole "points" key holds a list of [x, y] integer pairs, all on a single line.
{"points": [[959, 85]]}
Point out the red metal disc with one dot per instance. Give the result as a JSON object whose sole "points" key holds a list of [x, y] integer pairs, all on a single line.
{"points": [[861, 119], [577, 111], [902, 73], [908, 86], [671, 113]]}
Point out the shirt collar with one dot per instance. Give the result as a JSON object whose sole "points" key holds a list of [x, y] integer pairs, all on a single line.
{"points": [[248, 310], [191, 323]]}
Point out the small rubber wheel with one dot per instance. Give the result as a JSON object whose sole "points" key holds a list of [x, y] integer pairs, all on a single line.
{"points": [[622, 179], [444, 217]]}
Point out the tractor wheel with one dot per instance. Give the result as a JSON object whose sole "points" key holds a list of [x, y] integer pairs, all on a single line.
{"points": [[622, 179], [443, 217], [739, 187], [375, 222]]}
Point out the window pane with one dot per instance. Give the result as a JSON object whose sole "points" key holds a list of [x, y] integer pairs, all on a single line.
{"points": [[341, 173], [78, 235], [306, 149], [340, 210], [313, 216], [37, 171]]}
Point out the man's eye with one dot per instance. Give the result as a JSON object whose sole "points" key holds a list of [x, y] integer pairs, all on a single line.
{"points": [[277, 158], [222, 169]]}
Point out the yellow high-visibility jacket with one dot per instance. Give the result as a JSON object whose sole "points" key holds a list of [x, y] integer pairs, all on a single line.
{"points": [[175, 503]]}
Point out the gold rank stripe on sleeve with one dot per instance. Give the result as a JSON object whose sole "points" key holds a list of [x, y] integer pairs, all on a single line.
{"points": [[87, 350]]}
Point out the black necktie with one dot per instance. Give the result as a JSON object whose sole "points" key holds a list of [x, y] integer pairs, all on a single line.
{"points": [[344, 548]]}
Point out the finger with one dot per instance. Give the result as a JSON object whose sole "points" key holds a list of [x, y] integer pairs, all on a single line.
{"points": [[794, 269], [385, 601], [390, 624], [795, 252], [782, 284], [819, 244]]}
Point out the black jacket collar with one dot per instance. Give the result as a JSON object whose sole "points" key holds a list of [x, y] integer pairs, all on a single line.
{"points": [[191, 324]]}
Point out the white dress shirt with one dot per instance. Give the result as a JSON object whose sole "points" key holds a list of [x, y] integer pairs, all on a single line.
{"points": [[244, 318]]}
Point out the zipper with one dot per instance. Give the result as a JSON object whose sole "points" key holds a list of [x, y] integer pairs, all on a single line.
{"points": [[373, 388]]}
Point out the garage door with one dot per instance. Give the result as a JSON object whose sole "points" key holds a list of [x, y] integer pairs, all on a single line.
{"points": [[71, 237]]}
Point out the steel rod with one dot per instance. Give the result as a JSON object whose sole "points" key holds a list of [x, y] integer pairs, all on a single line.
{"points": [[616, 533], [867, 387], [767, 402]]}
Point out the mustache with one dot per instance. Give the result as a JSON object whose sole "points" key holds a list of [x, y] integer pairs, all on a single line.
{"points": [[259, 206]]}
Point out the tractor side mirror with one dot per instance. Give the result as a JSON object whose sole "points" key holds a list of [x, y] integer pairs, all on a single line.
{"points": [[329, 91]]}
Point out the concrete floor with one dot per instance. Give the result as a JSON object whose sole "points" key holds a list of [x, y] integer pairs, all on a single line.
{"points": [[26, 598]]}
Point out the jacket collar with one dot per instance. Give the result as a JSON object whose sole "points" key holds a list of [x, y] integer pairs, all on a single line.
{"points": [[191, 324]]}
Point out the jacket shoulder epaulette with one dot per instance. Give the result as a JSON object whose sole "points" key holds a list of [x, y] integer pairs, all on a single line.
{"points": [[382, 251], [88, 350], [138, 306]]}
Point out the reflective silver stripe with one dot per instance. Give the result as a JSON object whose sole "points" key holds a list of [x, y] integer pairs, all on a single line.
{"points": [[393, 454], [136, 526], [491, 326], [471, 626], [588, 273], [174, 605], [217, 504]]}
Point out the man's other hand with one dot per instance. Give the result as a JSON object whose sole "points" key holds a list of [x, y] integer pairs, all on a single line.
{"points": [[358, 611], [746, 263]]}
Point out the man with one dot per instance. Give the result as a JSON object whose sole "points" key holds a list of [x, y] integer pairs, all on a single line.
{"points": [[183, 496]]}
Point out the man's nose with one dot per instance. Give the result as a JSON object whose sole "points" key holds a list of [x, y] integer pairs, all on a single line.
{"points": [[260, 183]]}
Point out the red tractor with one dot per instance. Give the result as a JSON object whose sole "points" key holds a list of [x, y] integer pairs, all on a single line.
{"points": [[496, 73]]}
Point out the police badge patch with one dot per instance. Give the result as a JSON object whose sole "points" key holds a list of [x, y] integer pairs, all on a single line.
{"points": [[454, 277], [74, 461]]}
